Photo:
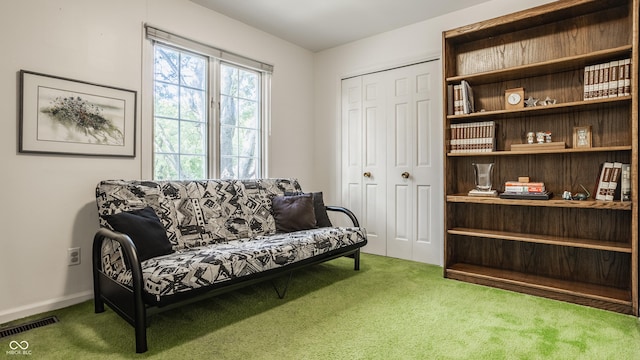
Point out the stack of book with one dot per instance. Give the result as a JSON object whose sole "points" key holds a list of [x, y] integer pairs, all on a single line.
{"points": [[525, 190], [614, 182], [607, 80], [460, 99], [473, 137]]}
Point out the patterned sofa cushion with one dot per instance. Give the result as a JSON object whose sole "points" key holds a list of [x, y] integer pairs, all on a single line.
{"points": [[219, 229], [116, 196], [203, 266], [196, 213], [257, 206], [206, 212]]}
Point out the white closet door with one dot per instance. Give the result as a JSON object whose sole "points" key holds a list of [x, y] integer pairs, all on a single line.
{"points": [[392, 168], [363, 106], [401, 123], [427, 174], [414, 168]]}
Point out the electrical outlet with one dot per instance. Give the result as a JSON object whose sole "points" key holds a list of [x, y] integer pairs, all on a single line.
{"points": [[73, 257]]}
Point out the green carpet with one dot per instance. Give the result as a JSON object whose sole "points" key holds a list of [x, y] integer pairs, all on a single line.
{"points": [[390, 309]]}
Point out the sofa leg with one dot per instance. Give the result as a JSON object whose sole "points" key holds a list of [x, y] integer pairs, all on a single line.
{"points": [[282, 294], [356, 260], [98, 305], [141, 338]]}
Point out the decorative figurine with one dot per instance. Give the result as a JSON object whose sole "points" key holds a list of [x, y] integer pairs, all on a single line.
{"points": [[577, 196], [531, 137], [530, 102], [548, 101]]}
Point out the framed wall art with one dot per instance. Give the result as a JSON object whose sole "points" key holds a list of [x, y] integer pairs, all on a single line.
{"points": [[65, 116], [582, 137]]}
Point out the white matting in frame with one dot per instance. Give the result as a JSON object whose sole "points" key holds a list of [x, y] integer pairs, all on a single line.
{"points": [[66, 116]]}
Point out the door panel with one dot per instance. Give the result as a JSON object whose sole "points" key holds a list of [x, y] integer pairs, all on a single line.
{"points": [[391, 126], [427, 167], [351, 145]]}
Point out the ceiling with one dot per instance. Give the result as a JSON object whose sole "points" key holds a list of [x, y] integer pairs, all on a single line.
{"points": [[322, 24]]}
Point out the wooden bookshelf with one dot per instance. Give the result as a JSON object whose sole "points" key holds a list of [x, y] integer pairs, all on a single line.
{"points": [[585, 252]]}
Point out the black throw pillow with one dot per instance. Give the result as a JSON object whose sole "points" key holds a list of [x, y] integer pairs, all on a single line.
{"points": [[293, 213], [322, 218], [145, 230]]}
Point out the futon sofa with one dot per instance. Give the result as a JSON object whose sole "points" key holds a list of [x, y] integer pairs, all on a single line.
{"points": [[162, 243]]}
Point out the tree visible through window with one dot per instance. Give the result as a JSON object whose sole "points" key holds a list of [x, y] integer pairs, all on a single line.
{"points": [[183, 122], [239, 123], [180, 112]]}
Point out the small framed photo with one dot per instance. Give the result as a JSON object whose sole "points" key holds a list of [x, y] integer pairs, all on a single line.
{"points": [[66, 116], [582, 137]]}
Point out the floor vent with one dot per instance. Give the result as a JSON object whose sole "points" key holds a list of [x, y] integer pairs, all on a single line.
{"points": [[17, 329]]}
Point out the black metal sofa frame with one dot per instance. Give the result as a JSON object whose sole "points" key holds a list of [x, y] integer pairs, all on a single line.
{"points": [[135, 306]]}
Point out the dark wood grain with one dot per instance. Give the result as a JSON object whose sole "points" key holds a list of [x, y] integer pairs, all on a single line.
{"points": [[580, 251]]}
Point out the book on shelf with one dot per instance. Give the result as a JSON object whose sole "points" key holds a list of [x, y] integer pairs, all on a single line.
{"points": [[524, 187], [610, 178], [460, 99], [457, 99], [627, 77], [468, 105], [472, 137], [450, 100], [613, 181], [602, 186], [625, 182], [527, 196], [607, 80], [516, 187]]}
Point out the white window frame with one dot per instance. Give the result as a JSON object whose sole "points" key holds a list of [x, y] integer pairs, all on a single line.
{"points": [[216, 57]]}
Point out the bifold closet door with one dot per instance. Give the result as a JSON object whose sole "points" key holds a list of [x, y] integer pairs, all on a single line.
{"points": [[391, 160], [414, 168], [364, 155]]}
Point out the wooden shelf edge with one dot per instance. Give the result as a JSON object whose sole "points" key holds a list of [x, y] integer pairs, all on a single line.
{"points": [[544, 239], [542, 151], [570, 288], [557, 65], [539, 15], [555, 202], [540, 109]]}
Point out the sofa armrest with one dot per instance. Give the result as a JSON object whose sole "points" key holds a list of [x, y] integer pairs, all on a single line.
{"points": [[346, 211], [127, 302], [131, 259]]}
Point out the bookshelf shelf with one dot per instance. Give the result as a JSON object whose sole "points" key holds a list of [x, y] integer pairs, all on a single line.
{"points": [[553, 248], [558, 151], [543, 239], [543, 68], [556, 201], [609, 298], [542, 110]]}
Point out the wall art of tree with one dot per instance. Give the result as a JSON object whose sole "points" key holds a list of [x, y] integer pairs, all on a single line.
{"points": [[79, 115]]}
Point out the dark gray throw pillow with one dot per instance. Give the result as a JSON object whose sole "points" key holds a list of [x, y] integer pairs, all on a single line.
{"points": [[293, 213], [322, 218], [145, 230]]}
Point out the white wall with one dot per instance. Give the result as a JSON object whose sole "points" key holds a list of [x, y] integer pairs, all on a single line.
{"points": [[409, 44], [48, 202]]}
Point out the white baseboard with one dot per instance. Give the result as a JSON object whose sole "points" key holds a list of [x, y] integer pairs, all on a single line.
{"points": [[44, 306]]}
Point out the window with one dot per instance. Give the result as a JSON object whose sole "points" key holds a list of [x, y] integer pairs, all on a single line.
{"points": [[239, 123], [209, 112], [180, 114]]}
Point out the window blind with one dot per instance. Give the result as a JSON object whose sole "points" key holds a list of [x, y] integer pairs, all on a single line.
{"points": [[168, 38]]}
